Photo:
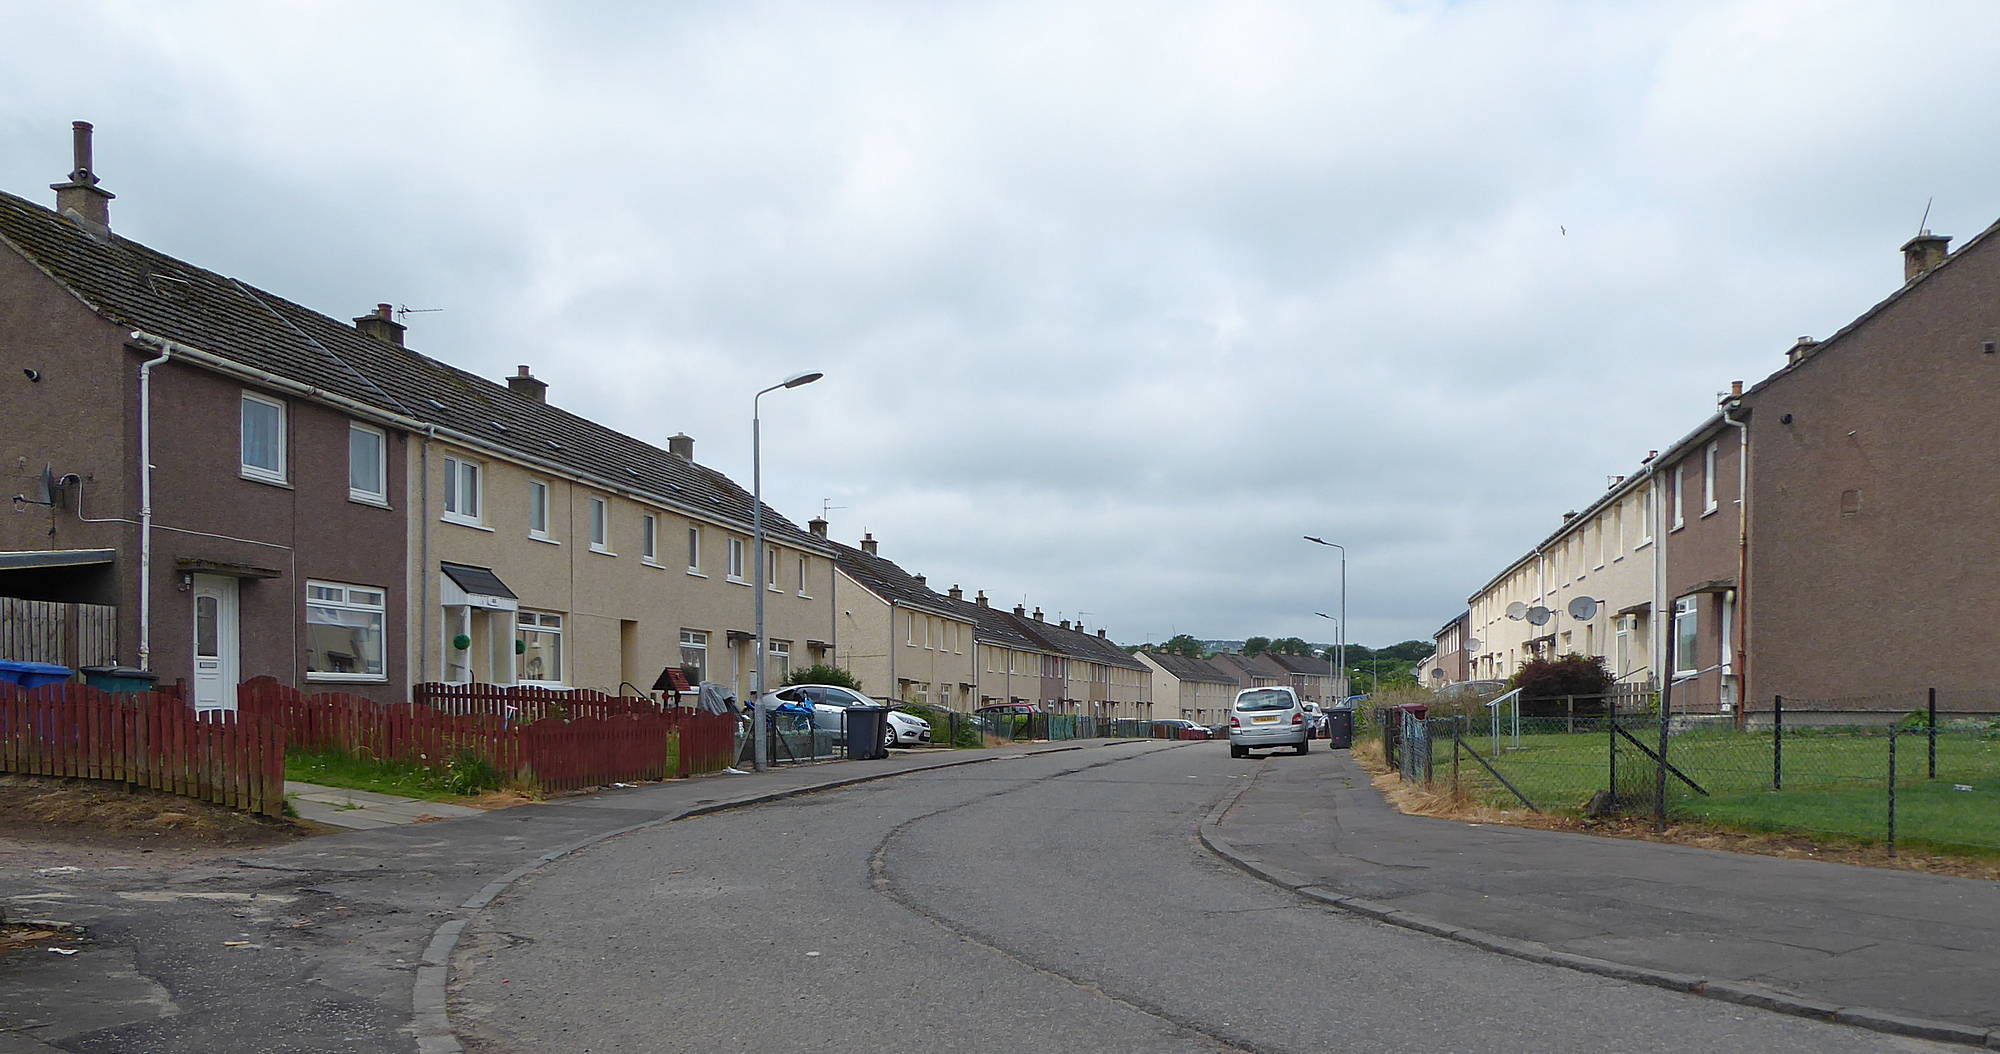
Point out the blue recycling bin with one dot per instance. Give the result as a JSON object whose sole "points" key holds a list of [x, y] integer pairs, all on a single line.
{"points": [[33, 674]]}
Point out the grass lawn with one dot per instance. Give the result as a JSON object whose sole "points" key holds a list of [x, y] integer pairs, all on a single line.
{"points": [[1834, 783], [335, 769]]}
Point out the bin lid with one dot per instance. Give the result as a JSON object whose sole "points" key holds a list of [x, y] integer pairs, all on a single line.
{"points": [[14, 666], [132, 672]]}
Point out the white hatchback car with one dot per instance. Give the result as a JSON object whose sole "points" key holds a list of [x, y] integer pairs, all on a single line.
{"points": [[1266, 717]]}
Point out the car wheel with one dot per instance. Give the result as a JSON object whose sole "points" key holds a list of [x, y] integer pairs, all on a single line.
{"points": [[888, 738], [1305, 745], [1237, 752]]}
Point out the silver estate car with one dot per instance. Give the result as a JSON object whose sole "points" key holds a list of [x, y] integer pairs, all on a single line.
{"points": [[1266, 717]]}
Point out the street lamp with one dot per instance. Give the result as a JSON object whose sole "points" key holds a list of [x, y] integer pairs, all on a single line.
{"points": [[1340, 625], [757, 730], [1332, 676]]}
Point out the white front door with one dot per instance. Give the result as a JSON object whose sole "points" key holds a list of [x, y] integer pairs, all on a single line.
{"points": [[216, 638]]}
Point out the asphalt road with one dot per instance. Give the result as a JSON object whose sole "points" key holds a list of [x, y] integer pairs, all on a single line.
{"points": [[1058, 903]]}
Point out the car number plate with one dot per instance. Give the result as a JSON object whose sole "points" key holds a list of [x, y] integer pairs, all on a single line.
{"points": [[1263, 720]]}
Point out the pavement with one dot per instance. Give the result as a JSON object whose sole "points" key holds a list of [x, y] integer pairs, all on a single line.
{"points": [[335, 943], [1896, 951], [359, 810]]}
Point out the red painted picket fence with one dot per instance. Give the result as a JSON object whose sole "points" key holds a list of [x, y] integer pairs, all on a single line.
{"points": [[523, 704], [144, 740]]}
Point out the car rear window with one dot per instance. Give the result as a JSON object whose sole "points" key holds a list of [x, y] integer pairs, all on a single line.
{"points": [[1266, 699]]}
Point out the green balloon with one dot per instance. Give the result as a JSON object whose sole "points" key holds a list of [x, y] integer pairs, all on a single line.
{"points": [[461, 642]]}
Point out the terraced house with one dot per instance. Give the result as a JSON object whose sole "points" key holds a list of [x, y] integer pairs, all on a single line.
{"points": [[260, 489], [900, 639]]}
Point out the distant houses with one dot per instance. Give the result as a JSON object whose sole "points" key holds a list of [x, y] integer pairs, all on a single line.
{"points": [[1825, 535]]}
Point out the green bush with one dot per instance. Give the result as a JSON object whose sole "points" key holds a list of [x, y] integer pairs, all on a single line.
{"points": [[821, 673], [1572, 674], [966, 733], [468, 773]]}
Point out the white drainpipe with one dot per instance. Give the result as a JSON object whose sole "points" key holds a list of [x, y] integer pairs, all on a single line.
{"points": [[146, 508]]}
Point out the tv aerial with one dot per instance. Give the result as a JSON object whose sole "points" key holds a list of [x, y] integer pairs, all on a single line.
{"points": [[1583, 609], [1539, 615], [1517, 611]]}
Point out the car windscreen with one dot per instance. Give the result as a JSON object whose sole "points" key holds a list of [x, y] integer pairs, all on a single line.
{"points": [[1268, 699]]}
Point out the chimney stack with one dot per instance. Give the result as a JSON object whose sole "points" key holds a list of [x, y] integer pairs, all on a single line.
{"points": [[817, 525], [681, 445], [382, 325], [1020, 611], [868, 543], [81, 196], [1100, 633], [1923, 253], [525, 385], [1038, 615], [1736, 389], [1801, 348], [920, 581], [981, 599], [1650, 455], [956, 593], [1064, 623]]}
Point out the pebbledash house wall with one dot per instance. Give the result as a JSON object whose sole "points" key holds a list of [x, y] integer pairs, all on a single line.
{"points": [[82, 418], [1875, 495]]}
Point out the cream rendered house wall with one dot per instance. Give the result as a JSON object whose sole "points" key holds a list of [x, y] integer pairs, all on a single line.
{"points": [[622, 616], [1007, 674]]}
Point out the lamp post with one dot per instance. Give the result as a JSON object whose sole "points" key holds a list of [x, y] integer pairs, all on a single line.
{"points": [[757, 730], [1333, 676], [1340, 625]]}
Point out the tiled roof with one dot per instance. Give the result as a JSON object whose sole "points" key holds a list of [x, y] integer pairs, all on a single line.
{"points": [[1186, 669], [135, 287], [1304, 664], [1072, 643], [890, 582], [993, 625]]}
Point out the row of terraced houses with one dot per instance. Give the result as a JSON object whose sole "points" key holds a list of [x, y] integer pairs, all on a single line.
{"points": [[1827, 535], [244, 486]]}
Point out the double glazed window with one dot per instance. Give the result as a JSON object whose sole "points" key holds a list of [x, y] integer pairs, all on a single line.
{"points": [[694, 654], [263, 438], [538, 510], [779, 662], [1686, 633], [694, 550], [344, 632], [649, 538], [600, 526], [736, 559], [367, 464], [461, 491], [539, 658]]}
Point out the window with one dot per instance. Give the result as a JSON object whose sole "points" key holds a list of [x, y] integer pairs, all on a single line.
{"points": [[694, 550], [1646, 518], [1686, 629], [694, 654], [539, 657], [1618, 531], [909, 628], [461, 491], [538, 510], [263, 438], [736, 559], [1679, 479], [367, 464], [771, 570], [600, 526], [649, 539], [779, 664], [1622, 646], [944, 694], [802, 575], [344, 635], [1708, 480]]}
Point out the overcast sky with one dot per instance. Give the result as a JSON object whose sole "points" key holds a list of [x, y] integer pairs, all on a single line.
{"points": [[1115, 301]]}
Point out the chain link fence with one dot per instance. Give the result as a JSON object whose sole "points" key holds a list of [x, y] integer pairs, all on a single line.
{"points": [[1857, 769]]}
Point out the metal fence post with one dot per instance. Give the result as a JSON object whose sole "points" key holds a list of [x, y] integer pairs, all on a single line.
{"points": [[1931, 731], [1892, 792], [1569, 714], [1666, 709], [1777, 742], [1611, 741], [1457, 725]]}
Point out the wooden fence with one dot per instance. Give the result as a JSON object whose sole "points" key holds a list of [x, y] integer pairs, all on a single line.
{"points": [[522, 704], [67, 634], [145, 740]]}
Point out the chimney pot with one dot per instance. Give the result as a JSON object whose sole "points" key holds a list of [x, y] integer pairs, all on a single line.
{"points": [[1923, 253], [1064, 623], [381, 324], [868, 543], [1038, 615], [956, 593], [1650, 455], [524, 384], [1100, 633], [981, 598], [920, 581], [1020, 611], [1801, 348], [1736, 389], [817, 525], [80, 194], [681, 445]]}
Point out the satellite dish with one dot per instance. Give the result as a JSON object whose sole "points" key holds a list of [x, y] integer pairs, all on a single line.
{"points": [[1437, 675], [1472, 644], [1517, 611], [1539, 615], [1583, 609]]}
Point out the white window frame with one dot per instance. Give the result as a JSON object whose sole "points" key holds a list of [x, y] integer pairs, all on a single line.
{"points": [[649, 539], [1646, 516], [778, 661], [358, 494], [457, 471], [548, 624], [802, 577], [1708, 480], [771, 569], [1686, 609], [1679, 479], [600, 526], [736, 561], [344, 597], [1621, 647], [262, 473], [695, 640], [694, 550], [538, 508]]}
